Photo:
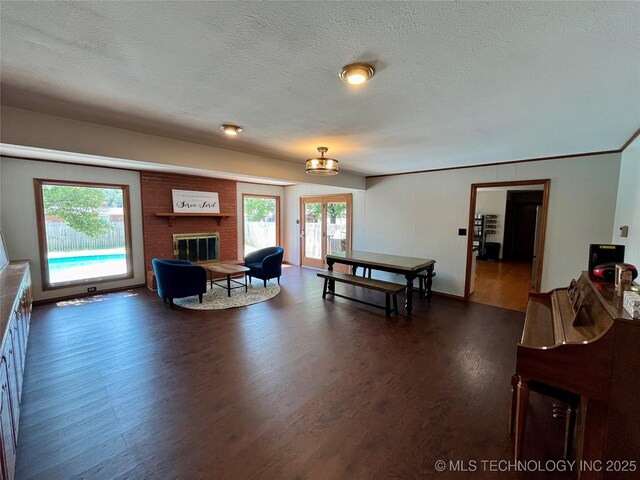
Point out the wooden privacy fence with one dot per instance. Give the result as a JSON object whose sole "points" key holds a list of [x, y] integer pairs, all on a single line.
{"points": [[62, 238], [259, 234], [336, 238]]}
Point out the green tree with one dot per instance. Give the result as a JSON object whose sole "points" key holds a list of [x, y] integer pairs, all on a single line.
{"points": [[256, 209], [78, 206], [335, 210], [113, 197], [313, 210]]}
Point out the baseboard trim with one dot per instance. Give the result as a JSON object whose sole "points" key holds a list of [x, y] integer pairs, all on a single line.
{"points": [[442, 294], [88, 294], [449, 295]]}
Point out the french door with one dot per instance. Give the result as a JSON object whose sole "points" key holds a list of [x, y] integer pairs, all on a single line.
{"points": [[325, 228]]}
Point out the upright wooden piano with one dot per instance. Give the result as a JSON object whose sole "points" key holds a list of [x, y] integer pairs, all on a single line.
{"points": [[580, 339]]}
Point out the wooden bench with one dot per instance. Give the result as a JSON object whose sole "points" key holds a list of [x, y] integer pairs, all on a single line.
{"points": [[422, 277], [389, 289]]}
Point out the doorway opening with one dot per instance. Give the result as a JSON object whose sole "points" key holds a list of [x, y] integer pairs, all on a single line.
{"points": [[506, 242], [326, 228]]}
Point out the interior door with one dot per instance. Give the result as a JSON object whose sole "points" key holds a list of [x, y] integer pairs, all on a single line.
{"points": [[525, 231], [536, 243], [326, 228]]}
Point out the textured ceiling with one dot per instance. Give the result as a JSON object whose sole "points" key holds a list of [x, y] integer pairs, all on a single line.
{"points": [[455, 84]]}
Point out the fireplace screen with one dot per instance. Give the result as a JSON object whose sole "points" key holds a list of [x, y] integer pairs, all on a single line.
{"points": [[196, 247]]}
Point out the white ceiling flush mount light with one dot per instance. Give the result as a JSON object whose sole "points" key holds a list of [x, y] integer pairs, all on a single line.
{"points": [[321, 165], [231, 130], [357, 73]]}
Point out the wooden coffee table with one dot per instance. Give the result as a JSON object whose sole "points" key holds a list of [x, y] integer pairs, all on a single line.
{"points": [[227, 269]]}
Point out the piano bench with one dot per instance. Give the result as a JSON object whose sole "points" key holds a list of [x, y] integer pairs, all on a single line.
{"points": [[572, 400]]}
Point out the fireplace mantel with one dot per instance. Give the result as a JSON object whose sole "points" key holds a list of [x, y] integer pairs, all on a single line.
{"points": [[172, 216]]}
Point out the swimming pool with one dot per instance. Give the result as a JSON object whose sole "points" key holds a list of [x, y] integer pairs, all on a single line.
{"points": [[66, 269]]}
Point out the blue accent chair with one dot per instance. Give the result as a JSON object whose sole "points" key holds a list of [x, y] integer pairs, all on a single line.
{"points": [[265, 264], [178, 279]]}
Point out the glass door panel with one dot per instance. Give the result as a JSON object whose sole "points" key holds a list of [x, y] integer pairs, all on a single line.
{"points": [[312, 254], [336, 227]]}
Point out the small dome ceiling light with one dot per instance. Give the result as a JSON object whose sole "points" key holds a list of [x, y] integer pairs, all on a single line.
{"points": [[321, 165], [357, 73], [232, 130]]}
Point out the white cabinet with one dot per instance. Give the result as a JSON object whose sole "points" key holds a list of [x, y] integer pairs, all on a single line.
{"points": [[15, 311]]}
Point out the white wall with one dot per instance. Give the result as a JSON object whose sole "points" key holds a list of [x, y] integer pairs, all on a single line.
{"points": [[0, 194], [628, 206], [292, 216], [19, 215], [3, 253], [258, 189], [419, 214], [493, 202]]}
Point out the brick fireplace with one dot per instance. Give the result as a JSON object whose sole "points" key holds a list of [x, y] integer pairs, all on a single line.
{"points": [[196, 247], [158, 232]]}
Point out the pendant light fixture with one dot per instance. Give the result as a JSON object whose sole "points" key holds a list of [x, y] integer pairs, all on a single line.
{"points": [[321, 165]]}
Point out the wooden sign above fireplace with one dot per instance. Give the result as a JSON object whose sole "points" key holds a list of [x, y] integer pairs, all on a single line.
{"points": [[188, 201]]}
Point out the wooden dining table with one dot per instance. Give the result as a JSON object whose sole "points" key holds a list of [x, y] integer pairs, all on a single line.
{"points": [[410, 267]]}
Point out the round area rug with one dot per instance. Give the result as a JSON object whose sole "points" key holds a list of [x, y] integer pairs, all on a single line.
{"points": [[216, 298]]}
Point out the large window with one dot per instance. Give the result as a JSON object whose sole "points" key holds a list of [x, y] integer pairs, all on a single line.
{"points": [[261, 222], [85, 234]]}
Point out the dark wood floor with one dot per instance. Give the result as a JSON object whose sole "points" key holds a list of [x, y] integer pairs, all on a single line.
{"points": [[120, 386]]}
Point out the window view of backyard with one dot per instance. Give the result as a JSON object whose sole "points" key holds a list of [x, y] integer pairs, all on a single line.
{"points": [[260, 223], [85, 232]]}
